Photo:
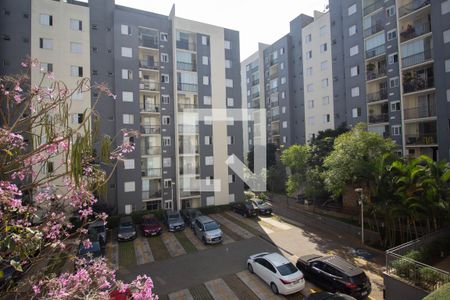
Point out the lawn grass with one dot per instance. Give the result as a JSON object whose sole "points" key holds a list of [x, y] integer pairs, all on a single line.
{"points": [[200, 292], [239, 288], [159, 250], [127, 256], [185, 242]]}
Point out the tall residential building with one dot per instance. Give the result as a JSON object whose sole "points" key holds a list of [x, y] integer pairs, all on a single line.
{"points": [[162, 69]]}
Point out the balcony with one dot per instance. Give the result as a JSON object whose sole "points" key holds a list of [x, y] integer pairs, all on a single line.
{"points": [[143, 64], [420, 28], [188, 129], [373, 7], [374, 74], [153, 108], [186, 45], [188, 149], [255, 81], [150, 129], [189, 170], [420, 112], [412, 85], [151, 150], [191, 67], [187, 87], [148, 42], [372, 30], [151, 194], [184, 194], [374, 52], [149, 85], [187, 106], [255, 95], [151, 172], [380, 118], [416, 59], [382, 94], [421, 139], [411, 7]]}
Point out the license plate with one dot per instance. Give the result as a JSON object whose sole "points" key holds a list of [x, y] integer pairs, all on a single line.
{"points": [[153, 233], [295, 282]]}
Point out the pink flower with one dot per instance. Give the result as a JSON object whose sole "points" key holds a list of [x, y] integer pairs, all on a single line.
{"points": [[17, 88], [24, 65], [87, 244], [52, 148], [18, 98]]}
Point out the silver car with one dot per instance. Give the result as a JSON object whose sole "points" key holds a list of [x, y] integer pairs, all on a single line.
{"points": [[207, 230]]}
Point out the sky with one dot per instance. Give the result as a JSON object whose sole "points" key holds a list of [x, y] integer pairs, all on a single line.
{"points": [[257, 20]]}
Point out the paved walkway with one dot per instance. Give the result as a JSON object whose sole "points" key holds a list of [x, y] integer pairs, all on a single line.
{"points": [[261, 228], [172, 244], [232, 226], [260, 288], [194, 240], [112, 253], [219, 290], [181, 295], [142, 250]]}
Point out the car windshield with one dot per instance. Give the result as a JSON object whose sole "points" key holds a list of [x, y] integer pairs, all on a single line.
{"points": [[99, 229], [126, 228], [359, 279], [95, 248], [287, 269], [150, 222], [260, 202], [211, 226], [173, 216]]}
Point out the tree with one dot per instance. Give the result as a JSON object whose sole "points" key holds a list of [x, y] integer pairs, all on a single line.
{"points": [[296, 158], [48, 171]]}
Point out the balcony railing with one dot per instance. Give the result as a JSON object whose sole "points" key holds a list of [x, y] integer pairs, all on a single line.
{"points": [[151, 194], [276, 132], [376, 51], [189, 170], [183, 106], [416, 59], [421, 139], [152, 150], [255, 81], [148, 65], [371, 75], [186, 45], [192, 67], [377, 96], [418, 30], [187, 87], [151, 172], [412, 6], [184, 194], [188, 149], [420, 112], [188, 129], [372, 30], [418, 84], [150, 108], [149, 85], [381, 118], [255, 95], [148, 42], [150, 129], [373, 7]]}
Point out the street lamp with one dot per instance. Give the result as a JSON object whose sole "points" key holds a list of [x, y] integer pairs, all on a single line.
{"points": [[359, 192]]}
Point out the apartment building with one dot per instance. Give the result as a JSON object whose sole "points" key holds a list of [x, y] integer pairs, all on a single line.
{"points": [[162, 69]]}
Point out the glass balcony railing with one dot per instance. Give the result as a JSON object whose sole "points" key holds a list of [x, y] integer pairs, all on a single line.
{"points": [[420, 28], [418, 84], [151, 172], [373, 7], [184, 194], [148, 65], [421, 139], [255, 81], [189, 170], [374, 74], [188, 129], [150, 108], [152, 150], [188, 149], [375, 51], [151, 194], [148, 42], [420, 112], [382, 94], [412, 6], [186, 45], [380, 118], [150, 129], [191, 67], [416, 59], [372, 30], [187, 106], [187, 87], [149, 85]]}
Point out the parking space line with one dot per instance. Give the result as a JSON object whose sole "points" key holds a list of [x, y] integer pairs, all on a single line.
{"points": [[261, 290], [112, 253], [219, 290], [226, 239], [194, 240], [181, 295], [172, 244], [259, 227], [143, 252], [233, 226]]}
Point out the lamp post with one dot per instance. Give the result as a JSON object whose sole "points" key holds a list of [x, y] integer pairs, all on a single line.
{"points": [[360, 193], [173, 187]]}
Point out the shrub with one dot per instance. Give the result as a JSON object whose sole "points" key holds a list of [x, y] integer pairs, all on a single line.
{"points": [[442, 293], [403, 267], [249, 195], [214, 209], [429, 277]]}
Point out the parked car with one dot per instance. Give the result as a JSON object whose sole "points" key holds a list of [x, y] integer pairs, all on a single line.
{"points": [[92, 252], [329, 296], [150, 226], [333, 273], [189, 215], [244, 208], [98, 227], [278, 272], [207, 230], [127, 229], [118, 295], [174, 221], [262, 207]]}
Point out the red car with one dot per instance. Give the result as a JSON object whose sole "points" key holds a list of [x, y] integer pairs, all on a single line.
{"points": [[117, 295], [150, 226]]}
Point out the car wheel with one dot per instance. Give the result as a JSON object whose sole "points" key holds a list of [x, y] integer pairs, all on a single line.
{"points": [[274, 288], [250, 268]]}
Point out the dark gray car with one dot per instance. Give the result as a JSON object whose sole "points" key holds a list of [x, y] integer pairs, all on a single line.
{"points": [[263, 207], [98, 227], [127, 229], [174, 221]]}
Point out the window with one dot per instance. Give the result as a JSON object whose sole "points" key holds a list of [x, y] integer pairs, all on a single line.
{"points": [[76, 71], [352, 30], [167, 183], [392, 58], [352, 9], [205, 40], [283, 95], [323, 48], [309, 54], [283, 80], [308, 39], [354, 71], [394, 82], [227, 45], [354, 50], [282, 66], [230, 140], [128, 164], [326, 118], [207, 100], [205, 60], [310, 88], [166, 120], [128, 119], [395, 106], [231, 178], [167, 162], [45, 43], [210, 201], [284, 124], [205, 80], [45, 19], [164, 57], [324, 65], [396, 129], [323, 30], [129, 186], [284, 139], [445, 7], [311, 120], [127, 96], [447, 64], [125, 29], [127, 74], [76, 25], [325, 83], [390, 11], [209, 160], [310, 103], [283, 110], [75, 47], [77, 118], [309, 71], [165, 78], [227, 64], [392, 34], [165, 99], [50, 167], [447, 36], [281, 51], [126, 52], [229, 83], [356, 112], [355, 91], [46, 67], [230, 102], [325, 100], [166, 141], [208, 140], [163, 36]]}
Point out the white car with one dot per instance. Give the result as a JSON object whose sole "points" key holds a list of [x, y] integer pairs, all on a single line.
{"points": [[279, 273]]}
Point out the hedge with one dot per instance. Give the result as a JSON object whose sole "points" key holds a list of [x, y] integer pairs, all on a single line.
{"points": [[441, 293]]}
